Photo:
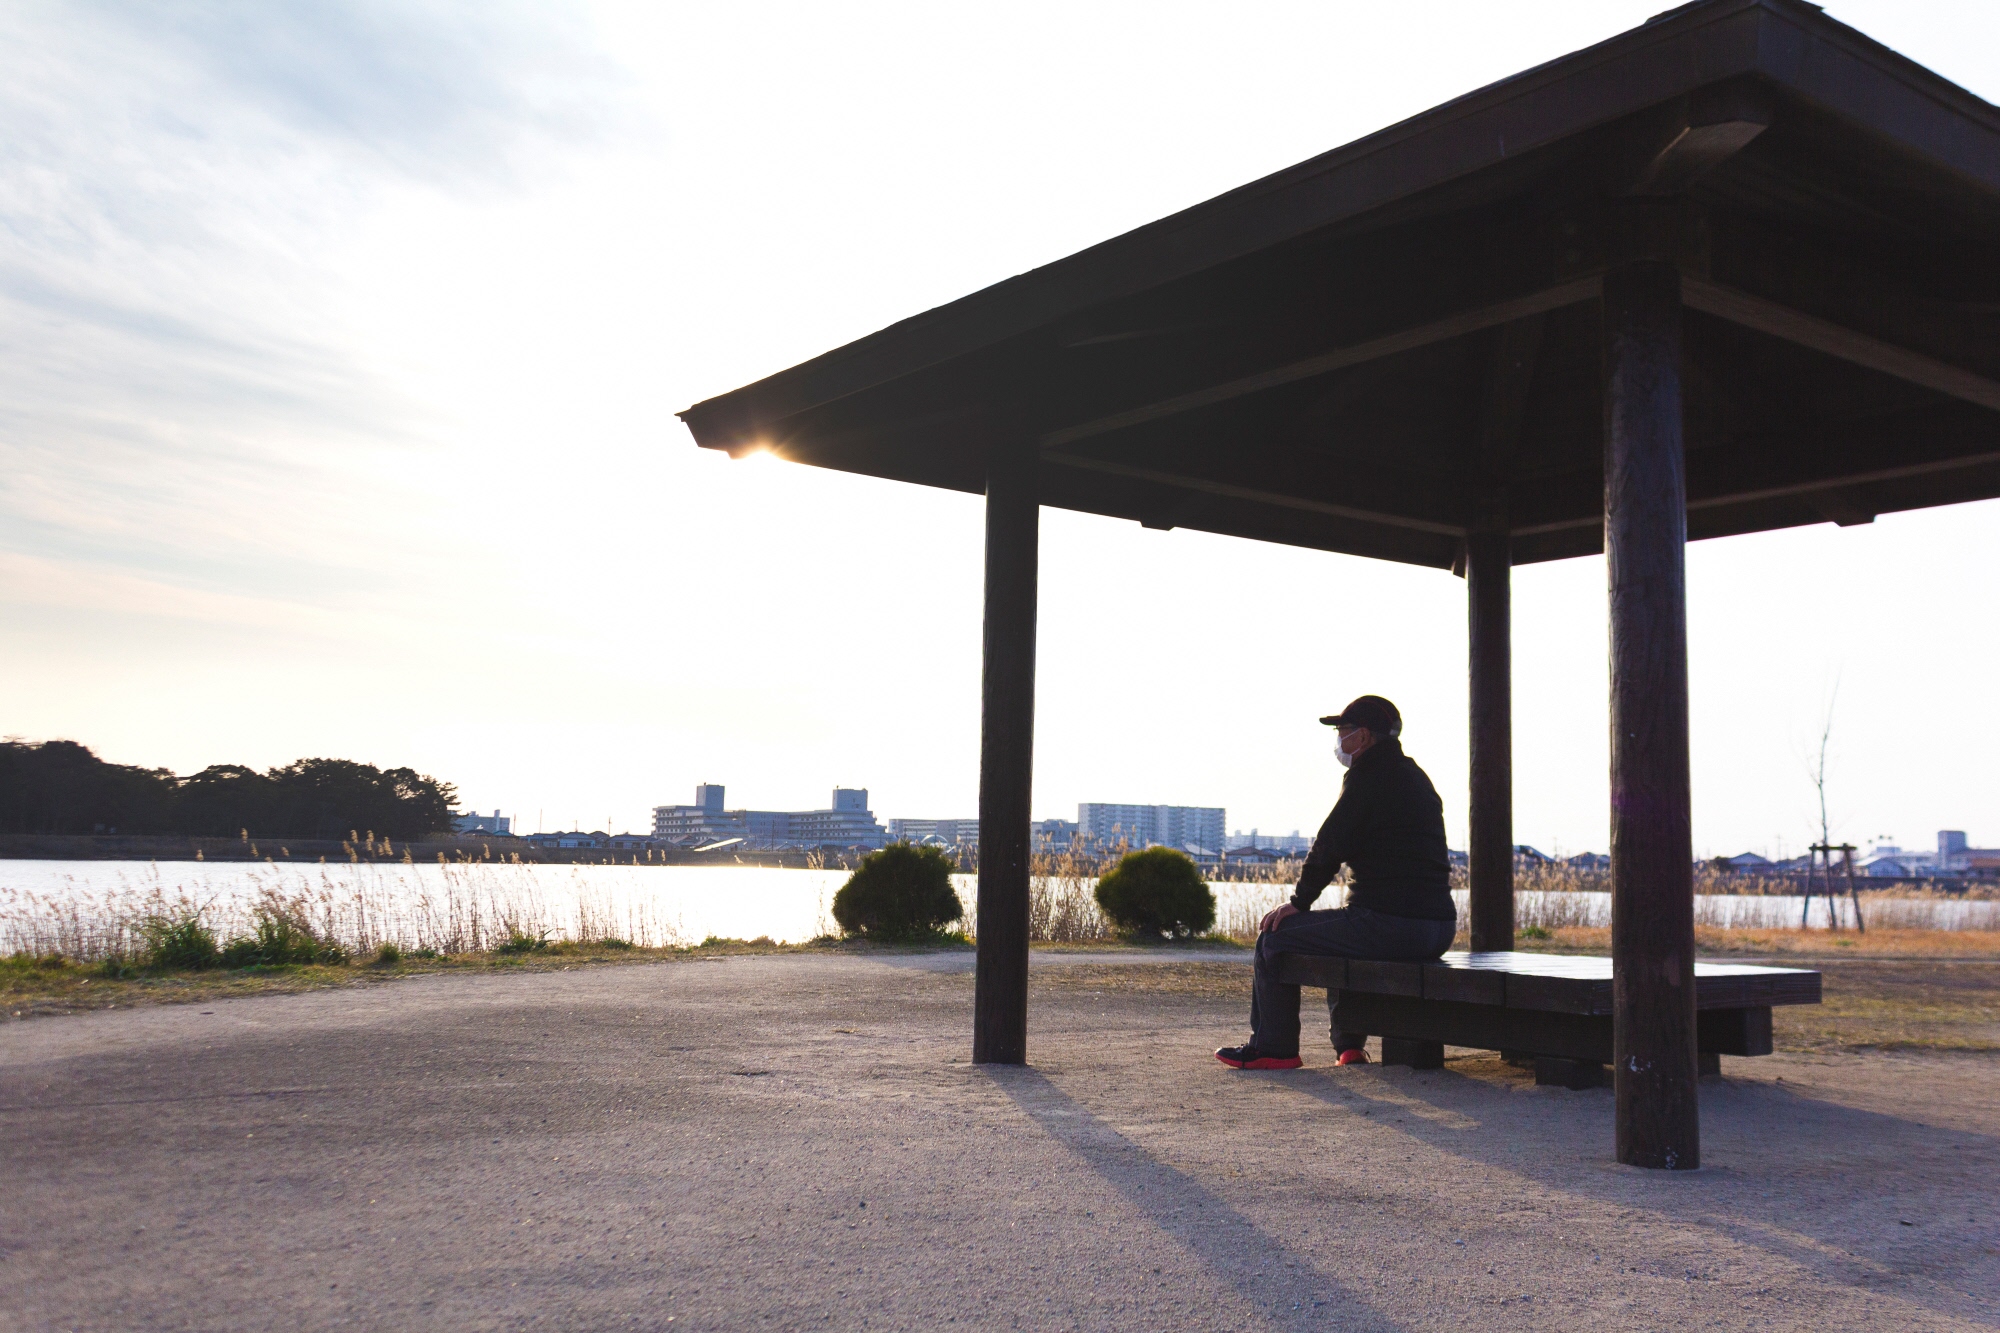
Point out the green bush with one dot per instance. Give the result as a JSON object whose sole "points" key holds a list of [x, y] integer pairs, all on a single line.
{"points": [[1157, 892], [517, 943], [389, 954], [901, 893], [179, 943]]}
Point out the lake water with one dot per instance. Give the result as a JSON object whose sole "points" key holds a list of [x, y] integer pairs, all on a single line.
{"points": [[84, 907]]}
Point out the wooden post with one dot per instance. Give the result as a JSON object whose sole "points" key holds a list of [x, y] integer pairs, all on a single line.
{"points": [[1488, 575], [1652, 851], [1006, 755], [1813, 877], [1853, 896]]}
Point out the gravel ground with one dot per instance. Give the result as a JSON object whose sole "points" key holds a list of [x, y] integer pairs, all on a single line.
{"points": [[799, 1142]]}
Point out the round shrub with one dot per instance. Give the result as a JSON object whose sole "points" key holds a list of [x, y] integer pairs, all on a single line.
{"points": [[1157, 892], [899, 893]]}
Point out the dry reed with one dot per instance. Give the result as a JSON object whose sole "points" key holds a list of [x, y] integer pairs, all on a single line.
{"points": [[470, 908]]}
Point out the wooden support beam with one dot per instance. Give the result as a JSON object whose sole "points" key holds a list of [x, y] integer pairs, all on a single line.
{"points": [[1006, 754], [1779, 321], [1807, 490], [1277, 498], [1652, 854], [1489, 637], [1406, 340], [1488, 592]]}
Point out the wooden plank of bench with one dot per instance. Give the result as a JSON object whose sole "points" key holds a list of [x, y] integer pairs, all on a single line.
{"points": [[1559, 995], [1742, 985], [1464, 984], [1487, 1027], [1543, 983], [1384, 978]]}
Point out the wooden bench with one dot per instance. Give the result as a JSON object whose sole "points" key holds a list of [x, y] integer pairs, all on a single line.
{"points": [[1552, 1008]]}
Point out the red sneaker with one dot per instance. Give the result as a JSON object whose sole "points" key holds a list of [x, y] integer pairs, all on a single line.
{"points": [[1249, 1057], [1357, 1056]]}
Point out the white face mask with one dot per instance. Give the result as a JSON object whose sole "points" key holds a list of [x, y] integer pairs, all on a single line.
{"points": [[1340, 753]]}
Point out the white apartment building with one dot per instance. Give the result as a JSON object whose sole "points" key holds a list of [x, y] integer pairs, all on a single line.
{"points": [[1195, 828]]}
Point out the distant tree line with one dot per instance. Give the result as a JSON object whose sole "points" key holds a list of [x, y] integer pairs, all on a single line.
{"points": [[61, 787]]}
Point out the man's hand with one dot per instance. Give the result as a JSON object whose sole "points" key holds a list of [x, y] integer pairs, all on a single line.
{"points": [[1274, 916]]}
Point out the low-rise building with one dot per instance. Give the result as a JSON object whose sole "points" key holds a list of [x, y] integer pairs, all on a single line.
{"points": [[1250, 858], [1294, 842], [472, 821], [575, 838], [701, 823], [847, 823], [1053, 835], [1955, 858], [938, 832]]}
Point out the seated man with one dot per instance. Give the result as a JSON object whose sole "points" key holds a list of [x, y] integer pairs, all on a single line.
{"points": [[1388, 827]]}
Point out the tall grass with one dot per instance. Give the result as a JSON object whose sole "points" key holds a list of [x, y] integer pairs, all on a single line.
{"points": [[355, 908]]}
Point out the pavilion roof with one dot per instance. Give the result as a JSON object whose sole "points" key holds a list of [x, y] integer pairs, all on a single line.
{"points": [[1395, 343]]}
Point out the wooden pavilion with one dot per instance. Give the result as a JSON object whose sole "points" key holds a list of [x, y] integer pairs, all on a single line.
{"points": [[1733, 270]]}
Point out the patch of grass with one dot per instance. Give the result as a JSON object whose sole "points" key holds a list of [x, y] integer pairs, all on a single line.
{"points": [[518, 943], [44, 986], [179, 943], [388, 955], [280, 939], [1224, 981], [1534, 933], [1780, 946], [1891, 1005], [33, 987]]}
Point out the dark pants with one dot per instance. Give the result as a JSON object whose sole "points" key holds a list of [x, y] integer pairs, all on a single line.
{"points": [[1350, 932]]}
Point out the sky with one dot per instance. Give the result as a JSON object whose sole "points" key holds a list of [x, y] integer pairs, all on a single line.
{"points": [[340, 345]]}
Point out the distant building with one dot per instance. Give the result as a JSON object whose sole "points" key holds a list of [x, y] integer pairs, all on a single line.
{"points": [[1745, 863], [701, 823], [473, 822], [945, 832], [573, 838], [1254, 857], [1954, 858], [847, 823], [1588, 861], [1053, 835], [1192, 828], [1294, 842]]}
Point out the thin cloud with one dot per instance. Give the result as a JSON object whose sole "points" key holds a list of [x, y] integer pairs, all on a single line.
{"points": [[180, 396]]}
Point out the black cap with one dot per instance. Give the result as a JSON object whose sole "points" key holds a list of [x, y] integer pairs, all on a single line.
{"points": [[1371, 711]]}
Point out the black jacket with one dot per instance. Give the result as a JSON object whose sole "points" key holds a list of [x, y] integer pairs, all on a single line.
{"points": [[1388, 826]]}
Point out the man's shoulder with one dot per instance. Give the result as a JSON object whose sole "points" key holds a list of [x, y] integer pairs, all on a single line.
{"points": [[1414, 771]]}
